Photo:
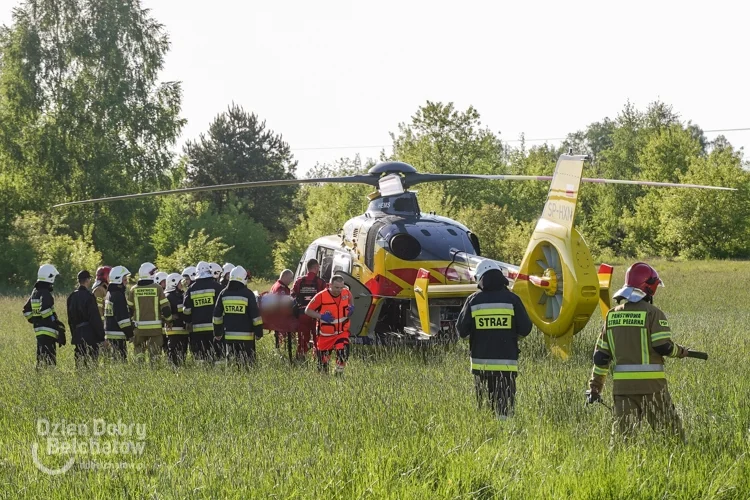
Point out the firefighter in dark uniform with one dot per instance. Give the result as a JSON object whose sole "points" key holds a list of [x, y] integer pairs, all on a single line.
{"points": [[237, 319], [493, 318], [177, 334], [86, 326], [118, 328], [225, 270], [198, 312], [635, 339], [39, 310], [305, 288]]}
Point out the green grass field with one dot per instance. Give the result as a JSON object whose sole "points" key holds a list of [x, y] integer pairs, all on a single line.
{"points": [[394, 426]]}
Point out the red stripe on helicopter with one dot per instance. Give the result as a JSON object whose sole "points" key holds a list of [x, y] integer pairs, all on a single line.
{"points": [[453, 273], [380, 285], [409, 275], [525, 277]]}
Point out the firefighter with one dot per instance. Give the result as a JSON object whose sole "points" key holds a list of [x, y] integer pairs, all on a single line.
{"points": [[150, 309], [118, 329], [188, 276], [225, 274], [216, 271], [237, 319], [177, 335], [305, 288], [100, 288], [332, 308], [493, 318], [634, 341], [281, 287], [86, 326], [198, 311], [161, 279], [39, 310]]}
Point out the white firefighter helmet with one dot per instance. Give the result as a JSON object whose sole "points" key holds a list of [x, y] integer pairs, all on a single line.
{"points": [[484, 266], [227, 268], [238, 274], [117, 274], [147, 271], [215, 270], [189, 272], [173, 281], [204, 270], [160, 276], [47, 273]]}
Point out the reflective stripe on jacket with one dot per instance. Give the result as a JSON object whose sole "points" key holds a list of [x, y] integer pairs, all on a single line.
{"points": [[149, 305], [100, 293], [236, 315], [493, 321], [176, 298], [117, 324], [198, 310], [324, 302], [39, 310], [307, 287], [628, 344]]}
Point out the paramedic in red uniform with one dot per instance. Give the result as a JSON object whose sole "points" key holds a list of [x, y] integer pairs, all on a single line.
{"points": [[305, 288]]}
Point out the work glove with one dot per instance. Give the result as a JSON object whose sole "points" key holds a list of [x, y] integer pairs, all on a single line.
{"points": [[327, 317], [350, 310], [683, 352], [592, 397], [61, 339]]}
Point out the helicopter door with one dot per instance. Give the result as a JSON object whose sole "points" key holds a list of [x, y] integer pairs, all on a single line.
{"points": [[362, 301]]}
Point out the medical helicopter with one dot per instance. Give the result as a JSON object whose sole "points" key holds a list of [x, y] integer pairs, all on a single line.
{"points": [[410, 272]]}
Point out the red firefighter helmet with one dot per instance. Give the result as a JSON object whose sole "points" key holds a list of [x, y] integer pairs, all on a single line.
{"points": [[102, 274], [643, 277]]}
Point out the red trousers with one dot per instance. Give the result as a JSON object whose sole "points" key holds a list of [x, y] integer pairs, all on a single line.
{"points": [[307, 326]]}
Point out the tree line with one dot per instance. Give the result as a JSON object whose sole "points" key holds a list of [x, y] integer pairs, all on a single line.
{"points": [[83, 114]]}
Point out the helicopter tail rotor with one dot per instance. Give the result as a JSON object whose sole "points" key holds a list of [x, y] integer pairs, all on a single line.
{"points": [[561, 303]]}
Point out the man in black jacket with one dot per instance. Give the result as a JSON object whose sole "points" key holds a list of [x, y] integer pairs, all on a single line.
{"points": [[493, 318], [237, 319], [85, 324], [39, 310]]}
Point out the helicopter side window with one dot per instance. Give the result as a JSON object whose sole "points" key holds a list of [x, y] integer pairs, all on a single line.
{"points": [[325, 257], [342, 262]]}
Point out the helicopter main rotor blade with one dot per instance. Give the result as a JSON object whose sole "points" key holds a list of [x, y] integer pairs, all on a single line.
{"points": [[353, 179], [413, 179], [655, 184]]}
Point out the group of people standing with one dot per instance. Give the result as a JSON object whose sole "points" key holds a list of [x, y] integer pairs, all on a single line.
{"points": [[218, 317], [207, 310]]}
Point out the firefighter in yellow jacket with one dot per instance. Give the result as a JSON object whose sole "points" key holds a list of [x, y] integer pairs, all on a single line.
{"points": [[634, 341], [100, 287], [150, 308]]}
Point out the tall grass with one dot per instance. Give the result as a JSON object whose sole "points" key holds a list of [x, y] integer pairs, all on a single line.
{"points": [[396, 426]]}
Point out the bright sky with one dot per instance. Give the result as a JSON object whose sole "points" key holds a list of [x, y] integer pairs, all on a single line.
{"points": [[343, 73]]}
